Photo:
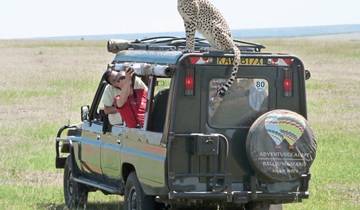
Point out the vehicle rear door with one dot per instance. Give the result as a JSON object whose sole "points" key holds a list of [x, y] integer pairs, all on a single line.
{"points": [[195, 156], [252, 94]]}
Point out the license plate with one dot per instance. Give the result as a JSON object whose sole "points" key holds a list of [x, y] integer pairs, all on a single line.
{"points": [[244, 61]]}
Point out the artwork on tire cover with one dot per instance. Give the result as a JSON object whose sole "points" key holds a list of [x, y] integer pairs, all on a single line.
{"points": [[287, 127]]}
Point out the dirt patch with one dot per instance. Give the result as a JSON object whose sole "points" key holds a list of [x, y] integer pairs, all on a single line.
{"points": [[348, 192], [33, 178]]}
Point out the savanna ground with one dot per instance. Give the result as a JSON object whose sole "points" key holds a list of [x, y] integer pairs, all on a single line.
{"points": [[44, 83]]}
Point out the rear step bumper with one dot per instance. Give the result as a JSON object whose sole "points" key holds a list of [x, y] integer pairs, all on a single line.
{"points": [[241, 196]]}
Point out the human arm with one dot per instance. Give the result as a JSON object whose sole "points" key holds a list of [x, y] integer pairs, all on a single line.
{"points": [[126, 88], [107, 99], [110, 110]]}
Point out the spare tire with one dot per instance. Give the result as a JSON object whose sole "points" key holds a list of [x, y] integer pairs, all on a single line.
{"points": [[281, 145]]}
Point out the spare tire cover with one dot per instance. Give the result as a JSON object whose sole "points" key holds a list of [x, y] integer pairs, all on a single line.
{"points": [[281, 145]]}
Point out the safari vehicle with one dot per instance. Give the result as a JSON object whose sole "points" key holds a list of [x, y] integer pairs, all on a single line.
{"points": [[251, 149]]}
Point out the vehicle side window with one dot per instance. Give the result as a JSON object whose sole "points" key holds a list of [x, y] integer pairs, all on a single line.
{"points": [[246, 100], [158, 112]]}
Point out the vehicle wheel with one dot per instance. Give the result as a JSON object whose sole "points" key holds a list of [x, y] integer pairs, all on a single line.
{"points": [[262, 206], [75, 194], [232, 208], [135, 198]]}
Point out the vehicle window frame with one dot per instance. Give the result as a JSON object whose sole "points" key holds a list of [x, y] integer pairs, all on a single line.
{"points": [[93, 111], [153, 93]]}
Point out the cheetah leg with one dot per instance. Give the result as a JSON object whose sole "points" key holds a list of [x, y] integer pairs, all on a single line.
{"points": [[190, 29]]}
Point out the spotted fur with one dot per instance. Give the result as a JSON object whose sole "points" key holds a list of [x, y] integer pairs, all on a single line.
{"points": [[204, 17]]}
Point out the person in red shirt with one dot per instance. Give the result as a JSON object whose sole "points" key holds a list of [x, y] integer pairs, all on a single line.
{"points": [[131, 102]]}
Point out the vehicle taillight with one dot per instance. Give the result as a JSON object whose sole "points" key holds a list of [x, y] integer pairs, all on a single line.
{"points": [[287, 82], [189, 82]]}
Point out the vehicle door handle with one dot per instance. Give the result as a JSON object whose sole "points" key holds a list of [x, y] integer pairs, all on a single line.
{"points": [[118, 141]]}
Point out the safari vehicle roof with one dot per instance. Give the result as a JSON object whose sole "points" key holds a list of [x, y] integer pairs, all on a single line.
{"points": [[148, 56], [168, 50]]}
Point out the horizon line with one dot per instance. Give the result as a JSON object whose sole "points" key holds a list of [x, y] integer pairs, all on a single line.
{"points": [[273, 29]]}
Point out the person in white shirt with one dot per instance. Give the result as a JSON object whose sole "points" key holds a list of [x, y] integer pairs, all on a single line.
{"points": [[111, 91]]}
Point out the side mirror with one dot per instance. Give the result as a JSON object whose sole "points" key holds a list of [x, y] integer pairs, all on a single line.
{"points": [[85, 112], [307, 74]]}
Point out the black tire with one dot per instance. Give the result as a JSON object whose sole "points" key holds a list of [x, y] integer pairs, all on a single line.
{"points": [[276, 207], [135, 198], [281, 146], [233, 208], [262, 206], [75, 194], [189, 208]]}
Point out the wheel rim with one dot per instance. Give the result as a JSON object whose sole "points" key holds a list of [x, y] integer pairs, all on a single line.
{"points": [[132, 199], [69, 185]]}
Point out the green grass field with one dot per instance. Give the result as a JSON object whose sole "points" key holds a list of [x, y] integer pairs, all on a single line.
{"points": [[44, 83]]}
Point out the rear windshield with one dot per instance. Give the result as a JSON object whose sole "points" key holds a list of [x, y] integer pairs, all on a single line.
{"points": [[245, 101]]}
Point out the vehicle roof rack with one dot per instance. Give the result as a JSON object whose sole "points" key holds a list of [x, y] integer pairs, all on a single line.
{"points": [[172, 43], [199, 43]]}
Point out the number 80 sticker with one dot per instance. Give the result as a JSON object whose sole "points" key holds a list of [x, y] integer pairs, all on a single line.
{"points": [[260, 84]]}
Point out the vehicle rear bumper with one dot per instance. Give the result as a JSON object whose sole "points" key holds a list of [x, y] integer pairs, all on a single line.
{"points": [[241, 196]]}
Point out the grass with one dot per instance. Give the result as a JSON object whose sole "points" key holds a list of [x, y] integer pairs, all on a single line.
{"points": [[45, 82], [334, 111]]}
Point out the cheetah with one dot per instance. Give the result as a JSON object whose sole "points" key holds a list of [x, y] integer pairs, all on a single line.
{"points": [[201, 15]]}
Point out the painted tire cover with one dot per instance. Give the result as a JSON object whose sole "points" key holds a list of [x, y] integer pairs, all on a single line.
{"points": [[281, 145]]}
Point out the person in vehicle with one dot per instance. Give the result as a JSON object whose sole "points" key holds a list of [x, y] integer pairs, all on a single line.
{"points": [[129, 98], [109, 106]]}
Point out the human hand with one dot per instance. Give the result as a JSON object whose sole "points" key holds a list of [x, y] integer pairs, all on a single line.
{"points": [[129, 72]]}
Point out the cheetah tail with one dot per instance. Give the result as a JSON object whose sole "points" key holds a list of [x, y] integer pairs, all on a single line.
{"points": [[225, 87], [237, 58]]}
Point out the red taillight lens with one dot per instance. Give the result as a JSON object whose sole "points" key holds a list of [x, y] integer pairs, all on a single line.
{"points": [[287, 82], [189, 82], [287, 85]]}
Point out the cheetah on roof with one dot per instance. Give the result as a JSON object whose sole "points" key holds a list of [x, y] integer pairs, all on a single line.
{"points": [[201, 15]]}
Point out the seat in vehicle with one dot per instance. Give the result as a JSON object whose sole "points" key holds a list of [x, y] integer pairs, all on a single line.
{"points": [[158, 114]]}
